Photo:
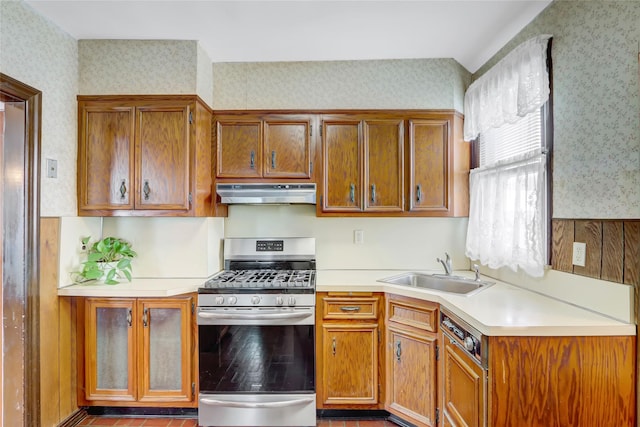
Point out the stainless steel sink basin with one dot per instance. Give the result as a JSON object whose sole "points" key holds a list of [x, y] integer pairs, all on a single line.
{"points": [[438, 282]]}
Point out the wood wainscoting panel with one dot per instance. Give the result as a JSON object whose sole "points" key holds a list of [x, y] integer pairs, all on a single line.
{"points": [[562, 245], [632, 253], [57, 352], [589, 232], [612, 253]]}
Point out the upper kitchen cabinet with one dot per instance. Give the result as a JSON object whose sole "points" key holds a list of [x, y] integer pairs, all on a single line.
{"points": [[362, 164], [256, 146], [144, 156], [394, 163], [439, 161]]}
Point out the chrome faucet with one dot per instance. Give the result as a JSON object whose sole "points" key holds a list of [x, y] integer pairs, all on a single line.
{"points": [[476, 269], [446, 263]]}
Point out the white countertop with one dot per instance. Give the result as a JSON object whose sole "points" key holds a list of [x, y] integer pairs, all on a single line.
{"points": [[499, 310], [136, 288]]}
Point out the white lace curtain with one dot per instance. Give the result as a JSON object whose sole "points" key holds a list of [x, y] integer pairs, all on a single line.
{"points": [[514, 87], [507, 214]]}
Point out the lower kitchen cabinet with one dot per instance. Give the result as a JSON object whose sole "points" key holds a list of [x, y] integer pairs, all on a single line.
{"points": [[562, 381], [138, 352], [411, 329], [349, 337]]}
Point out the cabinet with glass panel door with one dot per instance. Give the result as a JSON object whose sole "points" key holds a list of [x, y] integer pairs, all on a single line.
{"points": [[137, 352]]}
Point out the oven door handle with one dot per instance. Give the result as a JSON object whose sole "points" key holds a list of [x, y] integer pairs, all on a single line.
{"points": [[253, 316], [278, 404]]}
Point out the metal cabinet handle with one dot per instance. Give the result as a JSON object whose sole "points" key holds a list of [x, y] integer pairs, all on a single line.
{"points": [[350, 308], [273, 160], [252, 160], [419, 193], [352, 193], [373, 193], [145, 317], [398, 350], [123, 189], [146, 189], [333, 346], [129, 316]]}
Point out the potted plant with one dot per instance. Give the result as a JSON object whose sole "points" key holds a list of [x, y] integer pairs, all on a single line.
{"points": [[108, 260]]}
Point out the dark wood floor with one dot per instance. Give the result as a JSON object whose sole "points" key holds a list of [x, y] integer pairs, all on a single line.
{"points": [[190, 422]]}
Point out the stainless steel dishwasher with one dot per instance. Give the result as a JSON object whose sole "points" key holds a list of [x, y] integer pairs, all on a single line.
{"points": [[463, 372]]}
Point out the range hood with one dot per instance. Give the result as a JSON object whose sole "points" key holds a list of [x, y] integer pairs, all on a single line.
{"points": [[268, 193]]}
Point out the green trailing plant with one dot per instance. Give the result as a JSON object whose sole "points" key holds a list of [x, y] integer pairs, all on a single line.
{"points": [[108, 259]]}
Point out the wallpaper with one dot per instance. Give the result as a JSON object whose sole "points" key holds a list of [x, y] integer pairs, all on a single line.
{"points": [[204, 78], [596, 105], [137, 66], [383, 84], [37, 53]]}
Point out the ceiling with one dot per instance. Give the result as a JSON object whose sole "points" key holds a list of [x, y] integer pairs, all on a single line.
{"points": [[306, 30]]}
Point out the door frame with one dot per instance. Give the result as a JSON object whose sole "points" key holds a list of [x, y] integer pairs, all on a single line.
{"points": [[14, 90]]}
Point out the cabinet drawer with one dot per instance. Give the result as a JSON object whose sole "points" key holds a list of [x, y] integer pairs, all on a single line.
{"points": [[414, 313], [350, 308]]}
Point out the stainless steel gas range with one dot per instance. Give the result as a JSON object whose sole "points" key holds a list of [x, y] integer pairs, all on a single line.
{"points": [[256, 331]]}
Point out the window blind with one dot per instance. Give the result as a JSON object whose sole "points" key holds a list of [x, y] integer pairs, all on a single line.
{"points": [[511, 140]]}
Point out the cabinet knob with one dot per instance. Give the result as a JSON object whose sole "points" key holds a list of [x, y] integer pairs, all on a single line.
{"points": [[419, 193], [398, 350], [252, 160], [352, 193], [373, 193], [145, 317], [333, 346], [129, 317], [146, 189], [273, 159]]}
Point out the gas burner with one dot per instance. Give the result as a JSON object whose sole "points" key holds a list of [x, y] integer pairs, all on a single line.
{"points": [[261, 279]]}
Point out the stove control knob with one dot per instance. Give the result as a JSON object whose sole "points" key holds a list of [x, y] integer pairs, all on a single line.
{"points": [[233, 300], [255, 300], [279, 301], [469, 344], [219, 300], [292, 301]]}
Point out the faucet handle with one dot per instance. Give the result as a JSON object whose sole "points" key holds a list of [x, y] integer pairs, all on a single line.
{"points": [[476, 269]]}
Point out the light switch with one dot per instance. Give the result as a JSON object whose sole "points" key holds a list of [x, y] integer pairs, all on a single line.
{"points": [[52, 168], [358, 237]]}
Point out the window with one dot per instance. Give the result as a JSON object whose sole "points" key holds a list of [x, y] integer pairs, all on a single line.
{"points": [[509, 189]]}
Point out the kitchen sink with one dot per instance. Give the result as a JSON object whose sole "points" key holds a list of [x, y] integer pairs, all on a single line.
{"points": [[438, 282]]}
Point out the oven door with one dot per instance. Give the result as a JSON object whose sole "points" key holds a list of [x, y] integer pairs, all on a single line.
{"points": [[256, 366]]}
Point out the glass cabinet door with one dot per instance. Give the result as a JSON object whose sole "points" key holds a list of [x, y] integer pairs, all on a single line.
{"points": [[109, 346], [165, 366]]}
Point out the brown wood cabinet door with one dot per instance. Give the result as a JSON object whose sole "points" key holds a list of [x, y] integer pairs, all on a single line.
{"points": [[411, 377], [162, 151], [165, 362], [239, 148], [105, 156], [462, 389], [350, 364], [342, 165], [287, 148], [110, 353], [429, 165], [384, 162]]}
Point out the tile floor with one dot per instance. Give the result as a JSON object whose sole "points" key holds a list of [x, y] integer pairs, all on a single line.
{"points": [[190, 422]]}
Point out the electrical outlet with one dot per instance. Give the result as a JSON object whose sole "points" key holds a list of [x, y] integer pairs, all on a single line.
{"points": [[358, 237], [579, 253], [52, 168]]}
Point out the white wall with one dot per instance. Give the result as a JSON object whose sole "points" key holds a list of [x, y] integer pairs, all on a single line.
{"points": [[389, 243]]}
